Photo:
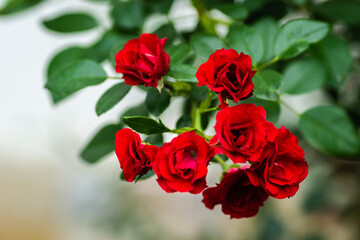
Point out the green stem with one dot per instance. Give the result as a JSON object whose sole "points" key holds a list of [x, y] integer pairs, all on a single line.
{"points": [[117, 78], [207, 23], [272, 61], [290, 108], [209, 110], [182, 130], [221, 162], [228, 23], [196, 117], [169, 86]]}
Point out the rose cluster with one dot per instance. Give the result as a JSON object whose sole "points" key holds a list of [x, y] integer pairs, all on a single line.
{"points": [[265, 161]]}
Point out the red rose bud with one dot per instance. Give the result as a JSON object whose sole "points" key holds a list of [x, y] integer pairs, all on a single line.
{"points": [[237, 196], [143, 60], [134, 157], [242, 132], [282, 167], [229, 74], [181, 165]]}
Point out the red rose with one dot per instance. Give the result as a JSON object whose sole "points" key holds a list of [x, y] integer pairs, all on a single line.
{"points": [[134, 157], [237, 196], [229, 74], [181, 165], [242, 132], [282, 168], [143, 60]]}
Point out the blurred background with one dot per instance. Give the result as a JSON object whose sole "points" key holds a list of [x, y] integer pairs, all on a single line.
{"points": [[48, 193]]}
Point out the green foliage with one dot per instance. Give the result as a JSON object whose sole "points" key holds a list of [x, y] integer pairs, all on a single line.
{"points": [[267, 28], [157, 102], [158, 6], [62, 58], [111, 97], [145, 125], [346, 11], [320, 61], [128, 15], [247, 40], [199, 94], [183, 72], [235, 11], [15, 6], [267, 82], [205, 44], [101, 144], [166, 31], [178, 53], [139, 110], [295, 36], [74, 76], [149, 174], [101, 49], [330, 130], [155, 139], [272, 108], [303, 76], [335, 54], [71, 22]]}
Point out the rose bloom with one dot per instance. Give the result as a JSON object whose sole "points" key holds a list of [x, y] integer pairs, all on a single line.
{"points": [[134, 157], [242, 132], [143, 60], [283, 166], [181, 165], [236, 195], [229, 74]]}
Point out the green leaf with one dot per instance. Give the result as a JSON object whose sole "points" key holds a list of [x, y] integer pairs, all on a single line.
{"points": [[145, 125], [97, 52], [267, 28], [272, 108], [183, 72], [15, 6], [330, 130], [303, 76], [128, 15], [160, 6], [199, 94], [157, 102], [204, 44], [183, 121], [166, 30], [295, 36], [254, 5], [63, 57], [149, 174], [235, 11], [267, 82], [346, 11], [247, 40], [100, 50], [178, 53], [139, 110], [101, 144], [75, 76], [155, 139], [335, 54], [300, 2], [111, 97], [71, 22]]}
